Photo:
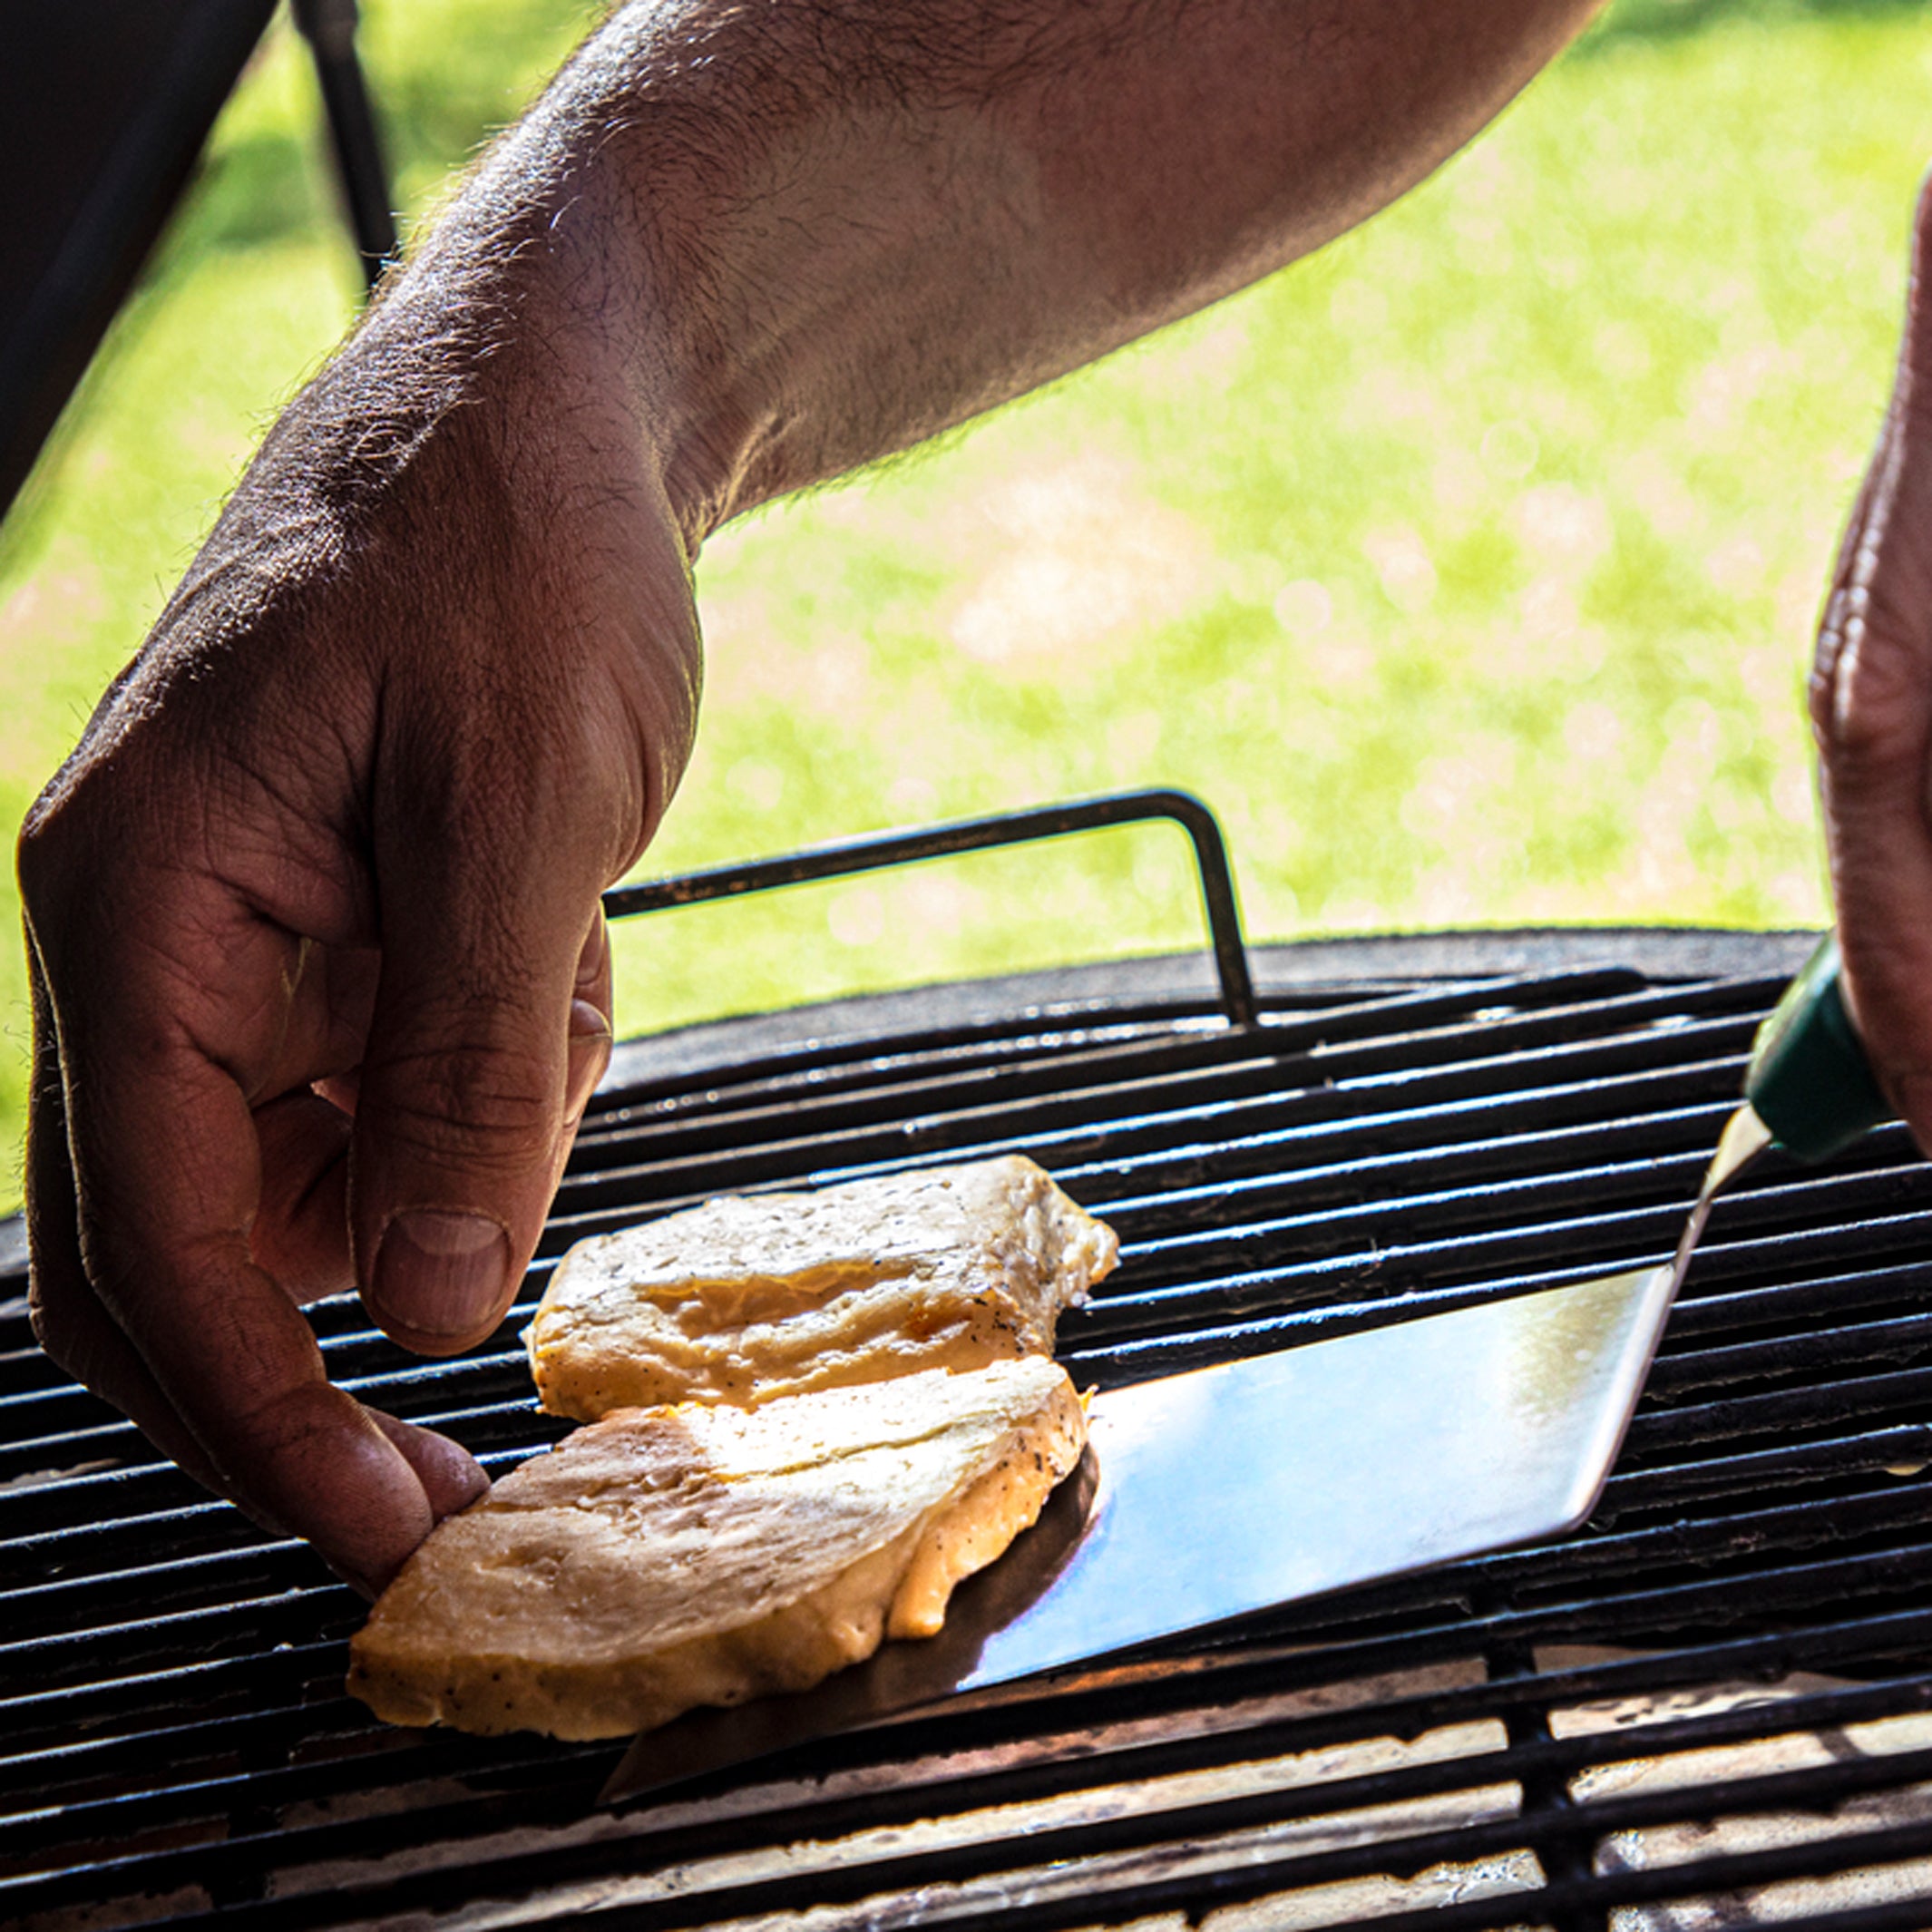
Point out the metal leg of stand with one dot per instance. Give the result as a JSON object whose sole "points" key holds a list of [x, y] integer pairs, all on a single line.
{"points": [[330, 28]]}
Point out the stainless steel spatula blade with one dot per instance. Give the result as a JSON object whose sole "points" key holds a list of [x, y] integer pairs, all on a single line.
{"points": [[1228, 1490]]}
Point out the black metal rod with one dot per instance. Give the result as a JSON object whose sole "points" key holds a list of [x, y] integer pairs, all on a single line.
{"points": [[888, 849], [330, 28]]}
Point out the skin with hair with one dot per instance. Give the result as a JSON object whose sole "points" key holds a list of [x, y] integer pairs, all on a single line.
{"points": [[320, 984], [1872, 714]]}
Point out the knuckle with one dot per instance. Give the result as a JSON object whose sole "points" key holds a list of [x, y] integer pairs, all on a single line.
{"points": [[52, 1329], [60, 1326], [495, 1111], [39, 858], [1868, 690]]}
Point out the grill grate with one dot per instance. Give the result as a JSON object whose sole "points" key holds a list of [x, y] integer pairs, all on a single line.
{"points": [[1712, 1707]]}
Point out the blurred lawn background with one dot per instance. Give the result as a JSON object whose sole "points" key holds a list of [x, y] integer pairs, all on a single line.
{"points": [[1468, 569]]}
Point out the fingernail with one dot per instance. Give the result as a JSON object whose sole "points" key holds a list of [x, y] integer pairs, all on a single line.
{"points": [[440, 1273], [590, 1051]]}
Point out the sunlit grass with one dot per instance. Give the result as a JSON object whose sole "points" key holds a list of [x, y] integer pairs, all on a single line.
{"points": [[1467, 569]]}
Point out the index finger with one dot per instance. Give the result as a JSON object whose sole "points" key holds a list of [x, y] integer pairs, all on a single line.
{"points": [[166, 1180]]}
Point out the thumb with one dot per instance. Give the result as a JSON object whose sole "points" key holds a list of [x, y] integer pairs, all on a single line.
{"points": [[1871, 707], [462, 1110]]}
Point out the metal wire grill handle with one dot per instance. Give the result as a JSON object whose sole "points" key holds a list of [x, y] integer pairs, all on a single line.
{"points": [[881, 850]]}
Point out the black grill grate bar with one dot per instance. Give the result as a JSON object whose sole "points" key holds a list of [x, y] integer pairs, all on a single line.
{"points": [[1713, 1602], [1826, 1297], [613, 1113], [94, 1549], [1743, 1472], [1185, 1698], [1584, 1562], [1637, 1616], [1600, 1561], [1579, 1247], [1407, 1716], [248, 1573], [850, 1055], [30, 1438], [1903, 1338], [1810, 1712], [1521, 1156], [1191, 1745], [1314, 1318], [1218, 1313], [828, 1062], [150, 1489], [1552, 1757], [1711, 1876], [1114, 1363], [94, 1552], [1524, 1204], [42, 1775], [1065, 1134], [212, 1762], [1903, 1392], [1839, 1523], [1290, 1024], [1406, 1855], [154, 1494], [151, 1705], [1402, 1058], [865, 1092], [1850, 1343], [814, 1055], [1581, 1899], [133, 1645], [1408, 1783], [455, 1389], [251, 1570], [56, 1400], [1051, 1851], [1207, 1308], [1139, 1150], [1253, 1878], [1677, 1098], [364, 1336], [1564, 1902], [57, 1523], [1049, 1070]]}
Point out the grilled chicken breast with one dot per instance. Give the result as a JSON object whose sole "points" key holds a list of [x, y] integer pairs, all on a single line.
{"points": [[704, 1554], [750, 1298]]}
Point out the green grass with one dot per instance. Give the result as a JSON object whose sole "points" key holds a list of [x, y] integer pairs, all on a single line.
{"points": [[1468, 569]]}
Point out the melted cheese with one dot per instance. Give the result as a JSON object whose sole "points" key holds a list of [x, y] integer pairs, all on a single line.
{"points": [[969, 1534], [693, 1555], [752, 1299]]}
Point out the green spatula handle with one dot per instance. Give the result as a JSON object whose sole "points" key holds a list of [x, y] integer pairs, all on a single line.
{"points": [[1809, 1079]]}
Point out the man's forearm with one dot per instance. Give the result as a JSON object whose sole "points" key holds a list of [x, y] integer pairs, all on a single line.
{"points": [[814, 231]]}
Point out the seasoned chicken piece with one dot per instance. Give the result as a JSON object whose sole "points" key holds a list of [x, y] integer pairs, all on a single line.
{"points": [[703, 1555], [751, 1297]]}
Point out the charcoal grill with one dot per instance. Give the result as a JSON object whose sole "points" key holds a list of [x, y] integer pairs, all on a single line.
{"points": [[1712, 1707]]}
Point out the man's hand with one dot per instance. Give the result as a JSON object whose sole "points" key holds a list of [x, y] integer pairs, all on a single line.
{"points": [[1871, 710], [321, 983], [320, 988]]}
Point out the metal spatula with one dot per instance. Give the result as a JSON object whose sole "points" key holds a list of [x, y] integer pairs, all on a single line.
{"points": [[1216, 1494]]}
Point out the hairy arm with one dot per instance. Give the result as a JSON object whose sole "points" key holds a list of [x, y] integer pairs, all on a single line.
{"points": [[321, 986], [831, 231]]}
